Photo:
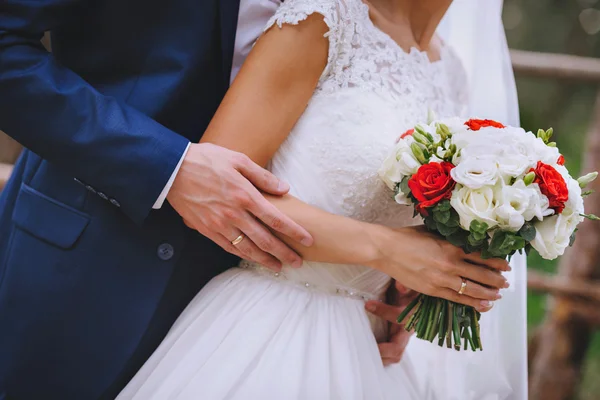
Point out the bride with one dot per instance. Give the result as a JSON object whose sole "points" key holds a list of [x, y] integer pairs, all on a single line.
{"points": [[321, 99]]}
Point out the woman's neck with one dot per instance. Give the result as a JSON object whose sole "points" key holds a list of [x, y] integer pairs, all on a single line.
{"points": [[422, 16]]}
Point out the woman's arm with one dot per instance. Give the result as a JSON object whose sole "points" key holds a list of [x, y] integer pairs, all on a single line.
{"points": [[265, 101]]}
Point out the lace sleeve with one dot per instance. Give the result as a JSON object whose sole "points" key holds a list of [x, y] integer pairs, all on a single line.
{"points": [[335, 14]]}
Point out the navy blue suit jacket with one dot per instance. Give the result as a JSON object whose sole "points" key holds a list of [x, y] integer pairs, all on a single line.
{"points": [[91, 278]]}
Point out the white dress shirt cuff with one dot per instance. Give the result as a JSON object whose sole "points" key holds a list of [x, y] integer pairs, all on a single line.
{"points": [[163, 195]]}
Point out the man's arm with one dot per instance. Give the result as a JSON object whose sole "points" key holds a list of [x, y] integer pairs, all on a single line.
{"points": [[52, 111]]}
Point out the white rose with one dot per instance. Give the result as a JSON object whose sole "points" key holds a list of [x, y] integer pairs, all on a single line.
{"points": [[512, 165], [552, 237], [402, 199], [539, 204], [390, 172], [474, 204], [553, 234], [399, 164], [544, 153], [476, 172], [519, 203]]}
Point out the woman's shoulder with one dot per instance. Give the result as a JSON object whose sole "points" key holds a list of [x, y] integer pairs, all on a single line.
{"points": [[336, 13]]}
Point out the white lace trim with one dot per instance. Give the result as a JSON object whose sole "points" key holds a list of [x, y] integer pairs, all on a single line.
{"points": [[363, 56]]}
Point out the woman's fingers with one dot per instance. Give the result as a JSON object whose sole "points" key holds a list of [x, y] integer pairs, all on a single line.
{"points": [[482, 275], [499, 264], [452, 295], [474, 290]]}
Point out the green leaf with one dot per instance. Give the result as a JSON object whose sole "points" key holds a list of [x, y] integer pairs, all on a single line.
{"points": [[572, 238], [446, 230], [443, 205], [458, 238], [587, 193], [475, 241], [404, 185], [454, 220], [441, 216], [528, 232], [478, 227], [504, 243], [430, 224]]}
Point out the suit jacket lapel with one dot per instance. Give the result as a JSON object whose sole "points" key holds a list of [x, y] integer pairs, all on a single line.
{"points": [[228, 10]]}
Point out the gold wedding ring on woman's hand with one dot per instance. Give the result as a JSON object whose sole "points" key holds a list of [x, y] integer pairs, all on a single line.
{"points": [[238, 240], [463, 286]]}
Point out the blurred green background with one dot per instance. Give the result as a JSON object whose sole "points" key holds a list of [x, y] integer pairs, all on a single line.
{"points": [[569, 27]]}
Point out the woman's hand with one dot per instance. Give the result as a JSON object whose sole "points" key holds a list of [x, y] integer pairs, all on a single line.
{"points": [[426, 263]]}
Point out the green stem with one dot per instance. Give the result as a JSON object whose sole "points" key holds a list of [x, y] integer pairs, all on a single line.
{"points": [[408, 309], [475, 329], [449, 315], [436, 320], [443, 320], [413, 318], [431, 318], [456, 330], [422, 318]]}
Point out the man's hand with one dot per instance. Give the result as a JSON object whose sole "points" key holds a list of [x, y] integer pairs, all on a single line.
{"points": [[398, 297], [216, 191]]}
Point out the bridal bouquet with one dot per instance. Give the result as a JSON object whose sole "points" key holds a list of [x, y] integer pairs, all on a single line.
{"points": [[486, 188]]}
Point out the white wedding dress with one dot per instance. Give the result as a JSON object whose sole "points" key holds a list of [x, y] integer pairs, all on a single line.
{"points": [[303, 333]]}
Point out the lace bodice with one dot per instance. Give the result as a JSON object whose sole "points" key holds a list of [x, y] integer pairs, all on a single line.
{"points": [[364, 57], [370, 92]]}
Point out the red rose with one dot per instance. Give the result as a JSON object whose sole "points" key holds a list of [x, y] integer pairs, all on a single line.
{"points": [[561, 160], [476, 124], [431, 184], [552, 185], [407, 133]]}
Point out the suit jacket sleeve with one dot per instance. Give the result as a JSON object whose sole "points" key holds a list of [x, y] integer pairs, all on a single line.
{"points": [[52, 111]]}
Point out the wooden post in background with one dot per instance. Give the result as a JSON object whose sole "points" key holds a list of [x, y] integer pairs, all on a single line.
{"points": [[565, 335]]}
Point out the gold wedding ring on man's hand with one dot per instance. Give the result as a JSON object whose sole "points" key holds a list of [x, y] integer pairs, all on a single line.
{"points": [[238, 240], [463, 286]]}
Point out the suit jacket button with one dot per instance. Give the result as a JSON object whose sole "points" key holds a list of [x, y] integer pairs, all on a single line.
{"points": [[115, 203], [102, 196], [165, 251]]}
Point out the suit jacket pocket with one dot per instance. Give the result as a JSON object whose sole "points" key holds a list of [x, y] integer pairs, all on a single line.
{"points": [[47, 219]]}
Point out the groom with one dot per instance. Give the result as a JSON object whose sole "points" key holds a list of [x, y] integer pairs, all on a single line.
{"points": [[95, 265]]}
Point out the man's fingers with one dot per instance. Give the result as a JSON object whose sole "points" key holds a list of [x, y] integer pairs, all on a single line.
{"points": [[260, 177], [391, 353], [219, 239], [251, 252], [272, 217], [385, 311], [267, 242]]}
